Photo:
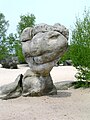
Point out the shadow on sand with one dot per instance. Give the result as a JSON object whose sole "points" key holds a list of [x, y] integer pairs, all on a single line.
{"points": [[61, 94]]}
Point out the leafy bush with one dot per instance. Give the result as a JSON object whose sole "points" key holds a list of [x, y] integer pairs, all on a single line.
{"points": [[79, 84], [80, 47], [83, 73]]}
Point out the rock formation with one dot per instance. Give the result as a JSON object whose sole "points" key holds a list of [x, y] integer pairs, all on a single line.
{"points": [[42, 47], [10, 62]]}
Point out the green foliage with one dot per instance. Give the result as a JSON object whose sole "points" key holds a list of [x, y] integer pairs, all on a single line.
{"points": [[3, 25], [66, 56], [3, 29], [80, 47], [14, 47], [3, 49], [83, 84], [83, 73], [19, 53], [7, 47], [27, 20], [10, 46], [80, 44], [11, 43]]}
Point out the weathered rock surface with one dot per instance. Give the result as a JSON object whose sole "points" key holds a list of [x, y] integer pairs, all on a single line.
{"points": [[12, 90], [36, 85], [64, 85], [10, 62], [42, 47]]}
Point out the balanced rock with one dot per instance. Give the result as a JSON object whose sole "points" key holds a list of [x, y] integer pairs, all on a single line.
{"points": [[42, 47]]}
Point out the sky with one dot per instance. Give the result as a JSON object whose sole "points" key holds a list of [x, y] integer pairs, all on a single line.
{"points": [[45, 11]]}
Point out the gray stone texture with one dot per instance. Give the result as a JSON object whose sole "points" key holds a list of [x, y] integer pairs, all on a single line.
{"points": [[42, 47], [12, 90], [37, 85]]}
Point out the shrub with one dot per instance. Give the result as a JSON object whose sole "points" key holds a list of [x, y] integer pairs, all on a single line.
{"points": [[80, 47]]}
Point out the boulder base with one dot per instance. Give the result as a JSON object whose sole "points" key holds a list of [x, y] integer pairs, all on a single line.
{"points": [[35, 85]]}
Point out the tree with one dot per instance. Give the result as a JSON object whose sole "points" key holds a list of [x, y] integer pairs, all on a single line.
{"points": [[27, 20], [7, 47], [80, 46], [14, 47], [3, 29], [11, 43], [3, 49], [3, 25]]}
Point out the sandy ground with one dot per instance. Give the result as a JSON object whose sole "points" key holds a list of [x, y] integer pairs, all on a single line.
{"points": [[71, 104], [58, 74]]}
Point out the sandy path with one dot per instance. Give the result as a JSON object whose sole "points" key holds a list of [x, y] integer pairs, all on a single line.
{"points": [[9, 75], [66, 105]]}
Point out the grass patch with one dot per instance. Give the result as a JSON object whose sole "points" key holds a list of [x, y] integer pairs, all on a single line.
{"points": [[81, 84]]}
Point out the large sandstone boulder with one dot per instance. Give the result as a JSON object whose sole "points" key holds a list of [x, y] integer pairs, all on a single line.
{"points": [[42, 47]]}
